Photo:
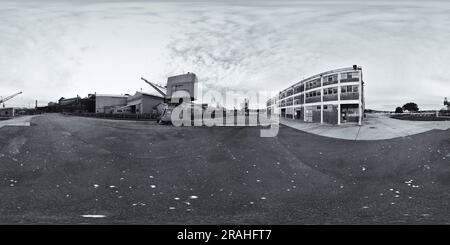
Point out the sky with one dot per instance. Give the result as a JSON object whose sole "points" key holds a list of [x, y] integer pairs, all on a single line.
{"points": [[52, 49]]}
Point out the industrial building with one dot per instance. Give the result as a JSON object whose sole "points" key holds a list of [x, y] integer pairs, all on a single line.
{"points": [[139, 103], [143, 103], [75, 104], [146, 103], [185, 82], [7, 112], [334, 97], [108, 103]]}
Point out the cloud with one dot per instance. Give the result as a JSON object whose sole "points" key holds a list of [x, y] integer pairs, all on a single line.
{"points": [[53, 49], [401, 47]]}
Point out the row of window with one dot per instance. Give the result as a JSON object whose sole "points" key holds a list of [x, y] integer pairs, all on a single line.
{"points": [[313, 84], [331, 91], [313, 94], [327, 80], [349, 89], [349, 75], [334, 90]]}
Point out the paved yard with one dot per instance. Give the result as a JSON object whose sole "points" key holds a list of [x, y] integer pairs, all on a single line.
{"points": [[375, 127], [124, 172]]}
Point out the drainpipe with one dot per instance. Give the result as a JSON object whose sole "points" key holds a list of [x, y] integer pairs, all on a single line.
{"points": [[339, 98], [360, 99], [321, 100], [304, 102]]}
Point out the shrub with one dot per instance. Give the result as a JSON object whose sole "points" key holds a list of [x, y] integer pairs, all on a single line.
{"points": [[398, 110]]}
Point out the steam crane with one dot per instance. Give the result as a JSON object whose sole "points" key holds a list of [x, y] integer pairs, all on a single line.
{"points": [[165, 109], [3, 100], [156, 87]]}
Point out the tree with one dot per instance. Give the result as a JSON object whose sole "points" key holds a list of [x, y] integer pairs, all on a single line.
{"points": [[398, 110], [411, 106]]}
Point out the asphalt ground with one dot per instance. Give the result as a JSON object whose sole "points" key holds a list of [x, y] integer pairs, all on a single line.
{"points": [[127, 172]]}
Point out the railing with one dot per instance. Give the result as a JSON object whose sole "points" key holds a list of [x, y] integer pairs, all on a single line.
{"points": [[422, 116], [347, 80], [312, 87], [146, 117], [349, 96], [331, 97], [313, 99], [444, 113], [325, 83]]}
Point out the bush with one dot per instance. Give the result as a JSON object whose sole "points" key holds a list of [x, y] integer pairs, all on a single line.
{"points": [[398, 110], [411, 107]]}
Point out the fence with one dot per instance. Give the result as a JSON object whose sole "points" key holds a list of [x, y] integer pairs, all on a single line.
{"points": [[423, 116], [443, 113], [144, 117]]}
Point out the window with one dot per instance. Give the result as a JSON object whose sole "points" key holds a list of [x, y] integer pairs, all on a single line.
{"points": [[325, 91], [325, 107], [344, 89], [330, 79], [355, 88], [318, 93], [335, 90], [330, 91], [318, 107], [349, 75], [349, 89]]}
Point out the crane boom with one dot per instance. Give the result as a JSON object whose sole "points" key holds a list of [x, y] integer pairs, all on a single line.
{"points": [[155, 86], [9, 97]]}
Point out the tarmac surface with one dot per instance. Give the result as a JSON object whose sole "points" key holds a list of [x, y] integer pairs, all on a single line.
{"points": [[374, 127], [76, 170], [19, 121]]}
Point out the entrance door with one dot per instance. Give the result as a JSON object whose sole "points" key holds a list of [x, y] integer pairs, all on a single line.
{"points": [[133, 109], [298, 114], [344, 115], [309, 115], [283, 112]]}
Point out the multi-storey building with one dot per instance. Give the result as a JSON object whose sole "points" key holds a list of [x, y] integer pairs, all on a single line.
{"points": [[335, 97]]}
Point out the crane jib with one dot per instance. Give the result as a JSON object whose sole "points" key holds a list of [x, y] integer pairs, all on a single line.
{"points": [[9, 97]]}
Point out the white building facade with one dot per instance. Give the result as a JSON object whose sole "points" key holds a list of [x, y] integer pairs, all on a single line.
{"points": [[107, 103], [334, 97]]}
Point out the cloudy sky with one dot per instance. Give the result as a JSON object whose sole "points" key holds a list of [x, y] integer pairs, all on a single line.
{"points": [[52, 49]]}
